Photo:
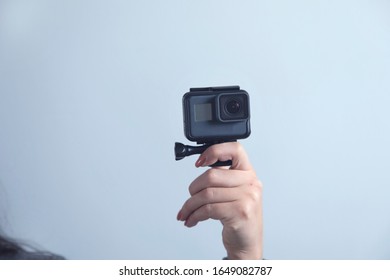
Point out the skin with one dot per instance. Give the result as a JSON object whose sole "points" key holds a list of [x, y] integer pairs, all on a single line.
{"points": [[232, 196]]}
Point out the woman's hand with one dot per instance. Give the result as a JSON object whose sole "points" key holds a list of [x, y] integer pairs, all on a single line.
{"points": [[233, 196]]}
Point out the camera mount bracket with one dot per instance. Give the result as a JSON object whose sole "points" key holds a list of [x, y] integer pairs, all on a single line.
{"points": [[182, 151]]}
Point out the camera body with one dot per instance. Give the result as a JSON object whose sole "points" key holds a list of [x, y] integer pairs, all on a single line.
{"points": [[216, 114]]}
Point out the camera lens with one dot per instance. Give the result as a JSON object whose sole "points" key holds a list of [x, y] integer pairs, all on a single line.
{"points": [[233, 107]]}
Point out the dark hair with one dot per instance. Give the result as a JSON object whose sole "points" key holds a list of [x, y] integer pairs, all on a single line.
{"points": [[13, 250], [9, 248]]}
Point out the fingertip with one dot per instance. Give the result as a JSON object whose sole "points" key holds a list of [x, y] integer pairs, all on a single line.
{"points": [[200, 162], [178, 217], [189, 224]]}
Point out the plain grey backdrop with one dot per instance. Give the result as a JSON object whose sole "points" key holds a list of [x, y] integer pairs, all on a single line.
{"points": [[90, 107]]}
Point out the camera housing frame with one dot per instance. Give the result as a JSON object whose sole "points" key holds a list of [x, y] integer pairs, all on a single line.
{"points": [[216, 114], [213, 115]]}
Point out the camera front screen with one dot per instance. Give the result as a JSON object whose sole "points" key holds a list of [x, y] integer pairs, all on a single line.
{"points": [[203, 112]]}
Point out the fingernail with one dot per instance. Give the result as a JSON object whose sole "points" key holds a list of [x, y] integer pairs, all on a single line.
{"points": [[200, 161], [179, 216]]}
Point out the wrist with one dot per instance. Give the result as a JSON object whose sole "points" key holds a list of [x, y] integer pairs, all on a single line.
{"points": [[245, 255]]}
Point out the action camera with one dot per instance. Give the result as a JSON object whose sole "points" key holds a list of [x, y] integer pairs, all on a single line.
{"points": [[214, 115]]}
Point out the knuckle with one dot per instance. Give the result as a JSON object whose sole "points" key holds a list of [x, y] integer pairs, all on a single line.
{"points": [[254, 182], [207, 194], [255, 194], [259, 184], [244, 211], [250, 204], [239, 147], [211, 175], [256, 185], [191, 189], [208, 210]]}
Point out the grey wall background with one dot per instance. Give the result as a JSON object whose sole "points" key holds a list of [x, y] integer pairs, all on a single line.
{"points": [[87, 88]]}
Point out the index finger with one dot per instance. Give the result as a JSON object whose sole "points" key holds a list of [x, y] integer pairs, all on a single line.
{"points": [[225, 151], [221, 178]]}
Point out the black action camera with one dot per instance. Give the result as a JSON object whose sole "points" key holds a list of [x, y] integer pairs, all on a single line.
{"points": [[214, 115]]}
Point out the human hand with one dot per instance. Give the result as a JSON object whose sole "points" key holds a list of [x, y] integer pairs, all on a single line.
{"points": [[233, 196]]}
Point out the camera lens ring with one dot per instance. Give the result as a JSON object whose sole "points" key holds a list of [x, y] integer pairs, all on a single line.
{"points": [[233, 107]]}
